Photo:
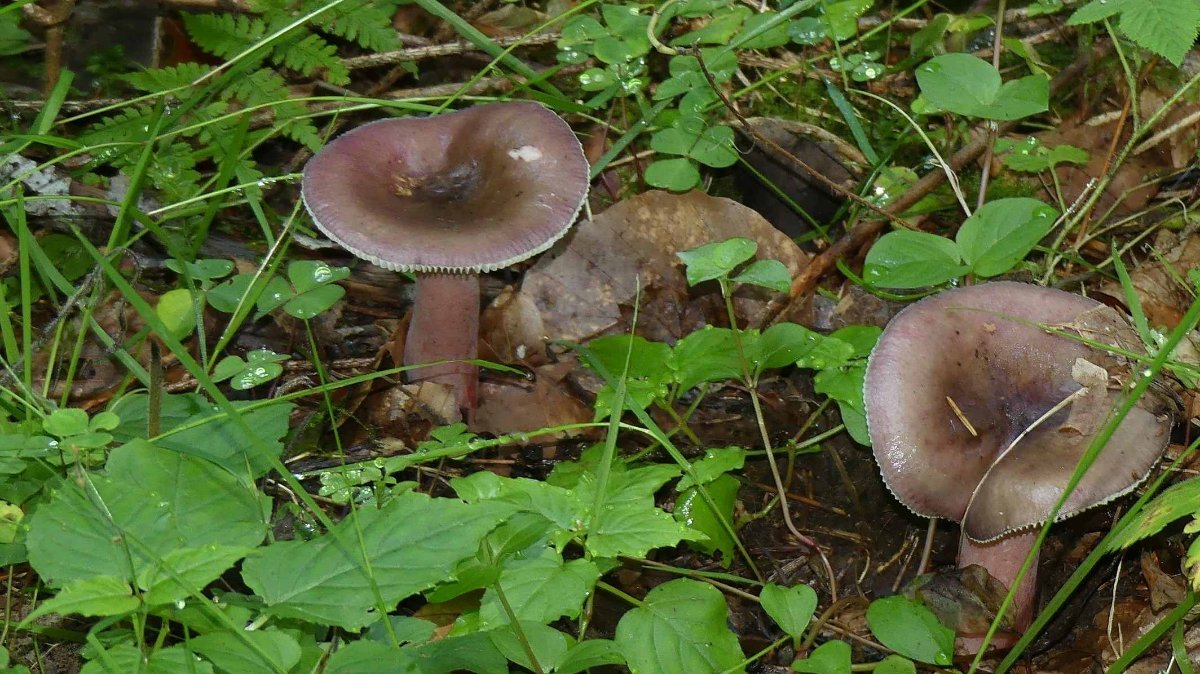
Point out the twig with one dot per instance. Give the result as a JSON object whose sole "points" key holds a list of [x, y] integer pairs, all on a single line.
{"points": [[439, 50]]}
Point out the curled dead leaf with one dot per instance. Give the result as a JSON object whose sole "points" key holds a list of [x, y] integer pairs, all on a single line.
{"points": [[588, 284]]}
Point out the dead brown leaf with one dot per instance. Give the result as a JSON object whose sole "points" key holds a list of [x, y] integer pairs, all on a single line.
{"points": [[507, 406], [511, 330], [588, 284], [1155, 281]]}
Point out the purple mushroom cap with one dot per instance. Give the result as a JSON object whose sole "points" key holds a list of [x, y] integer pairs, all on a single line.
{"points": [[449, 197], [977, 347], [474, 190]]}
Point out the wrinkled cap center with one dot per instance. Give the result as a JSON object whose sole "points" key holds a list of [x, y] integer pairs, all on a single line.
{"points": [[457, 182]]}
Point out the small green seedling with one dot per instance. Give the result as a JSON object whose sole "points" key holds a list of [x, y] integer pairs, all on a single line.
{"points": [[312, 289], [259, 367], [967, 85], [75, 431], [989, 243]]}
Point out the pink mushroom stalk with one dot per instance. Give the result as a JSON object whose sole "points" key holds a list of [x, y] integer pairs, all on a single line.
{"points": [[447, 198], [980, 417]]}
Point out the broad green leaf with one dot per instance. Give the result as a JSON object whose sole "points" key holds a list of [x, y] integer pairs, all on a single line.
{"points": [[715, 463], [842, 17], [549, 645], [307, 275], [829, 352], [1097, 10], [371, 657], [790, 607], [895, 664], [692, 509], [907, 259], [911, 630], [177, 311], [66, 422], [831, 657], [1020, 98], [647, 360], [472, 574], [226, 295], [1167, 28], [209, 433], [781, 345], [633, 486], [855, 421], [580, 31], [522, 533], [686, 74], [630, 523], [151, 501], [195, 567], [626, 21], [861, 337], [680, 628], [473, 652], [808, 30], [633, 530], [715, 147], [406, 628], [539, 589], [967, 85], [563, 507], [262, 366], [10, 522], [276, 651], [958, 83], [776, 36], [706, 355], [678, 175], [928, 40], [714, 260], [588, 654], [201, 270], [770, 274], [275, 294], [1174, 503], [124, 658], [410, 543], [96, 596], [720, 28], [1033, 157], [13, 38], [308, 304], [1001, 233]]}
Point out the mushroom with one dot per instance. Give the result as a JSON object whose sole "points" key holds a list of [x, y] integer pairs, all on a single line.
{"points": [[449, 197], [979, 416]]}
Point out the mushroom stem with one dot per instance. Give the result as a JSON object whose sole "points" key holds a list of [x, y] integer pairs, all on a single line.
{"points": [[445, 326], [1003, 559]]}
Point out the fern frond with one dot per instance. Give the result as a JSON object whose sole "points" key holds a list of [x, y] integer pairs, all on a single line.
{"points": [[128, 125], [163, 79], [259, 87], [205, 122], [266, 87], [172, 171], [312, 54], [224, 34], [366, 22]]}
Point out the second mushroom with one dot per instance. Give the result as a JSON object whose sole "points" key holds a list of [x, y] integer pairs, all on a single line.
{"points": [[979, 415], [446, 198]]}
